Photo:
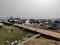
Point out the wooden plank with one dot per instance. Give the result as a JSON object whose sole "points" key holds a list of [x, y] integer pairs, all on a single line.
{"points": [[46, 32]]}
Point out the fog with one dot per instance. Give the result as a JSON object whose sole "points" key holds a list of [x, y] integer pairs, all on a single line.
{"points": [[30, 8]]}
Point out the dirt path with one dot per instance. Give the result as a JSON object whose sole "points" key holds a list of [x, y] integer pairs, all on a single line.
{"points": [[42, 41], [29, 39]]}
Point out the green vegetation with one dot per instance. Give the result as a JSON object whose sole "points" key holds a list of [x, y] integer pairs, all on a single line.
{"points": [[8, 36]]}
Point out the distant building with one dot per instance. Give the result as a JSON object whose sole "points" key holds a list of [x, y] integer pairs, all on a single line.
{"points": [[17, 20], [50, 23], [35, 21]]}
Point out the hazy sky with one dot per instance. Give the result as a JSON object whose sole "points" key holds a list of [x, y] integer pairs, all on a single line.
{"points": [[30, 8]]}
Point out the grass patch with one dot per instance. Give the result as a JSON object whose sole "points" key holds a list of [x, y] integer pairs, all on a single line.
{"points": [[8, 36]]}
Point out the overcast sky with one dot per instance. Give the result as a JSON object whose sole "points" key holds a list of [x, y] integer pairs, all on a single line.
{"points": [[30, 8]]}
